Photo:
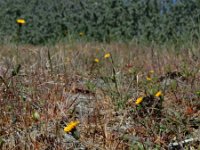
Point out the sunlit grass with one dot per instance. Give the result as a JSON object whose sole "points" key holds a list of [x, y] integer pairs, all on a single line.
{"points": [[38, 100]]}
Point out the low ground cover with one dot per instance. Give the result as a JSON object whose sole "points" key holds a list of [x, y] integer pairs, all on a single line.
{"points": [[98, 96]]}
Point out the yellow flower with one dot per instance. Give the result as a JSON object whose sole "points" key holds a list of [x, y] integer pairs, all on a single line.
{"points": [[96, 60], [148, 78], [21, 21], [71, 126], [158, 94], [139, 100], [151, 71], [81, 33], [107, 55]]}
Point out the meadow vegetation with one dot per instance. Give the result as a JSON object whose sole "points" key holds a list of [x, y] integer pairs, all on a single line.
{"points": [[75, 76], [47, 87]]}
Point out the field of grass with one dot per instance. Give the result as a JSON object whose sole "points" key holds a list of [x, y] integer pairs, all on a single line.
{"points": [[109, 96]]}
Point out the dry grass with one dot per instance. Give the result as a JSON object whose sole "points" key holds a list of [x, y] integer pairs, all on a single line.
{"points": [[62, 83]]}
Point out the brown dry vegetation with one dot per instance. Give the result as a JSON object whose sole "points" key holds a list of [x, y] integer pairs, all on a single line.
{"points": [[62, 83]]}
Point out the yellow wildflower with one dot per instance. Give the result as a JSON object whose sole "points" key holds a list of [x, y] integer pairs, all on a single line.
{"points": [[158, 94], [139, 100], [148, 78], [107, 55], [71, 126], [21, 21], [151, 71], [81, 33], [96, 60]]}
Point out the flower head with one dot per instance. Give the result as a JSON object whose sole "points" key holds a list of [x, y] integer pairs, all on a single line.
{"points": [[21, 21], [107, 55], [96, 60], [158, 94], [151, 71], [148, 78], [71, 126], [139, 100], [81, 33]]}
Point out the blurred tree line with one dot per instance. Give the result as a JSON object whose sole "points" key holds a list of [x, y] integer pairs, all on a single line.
{"points": [[156, 21]]}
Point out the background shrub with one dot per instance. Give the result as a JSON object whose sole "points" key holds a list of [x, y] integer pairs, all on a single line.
{"points": [[106, 20]]}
